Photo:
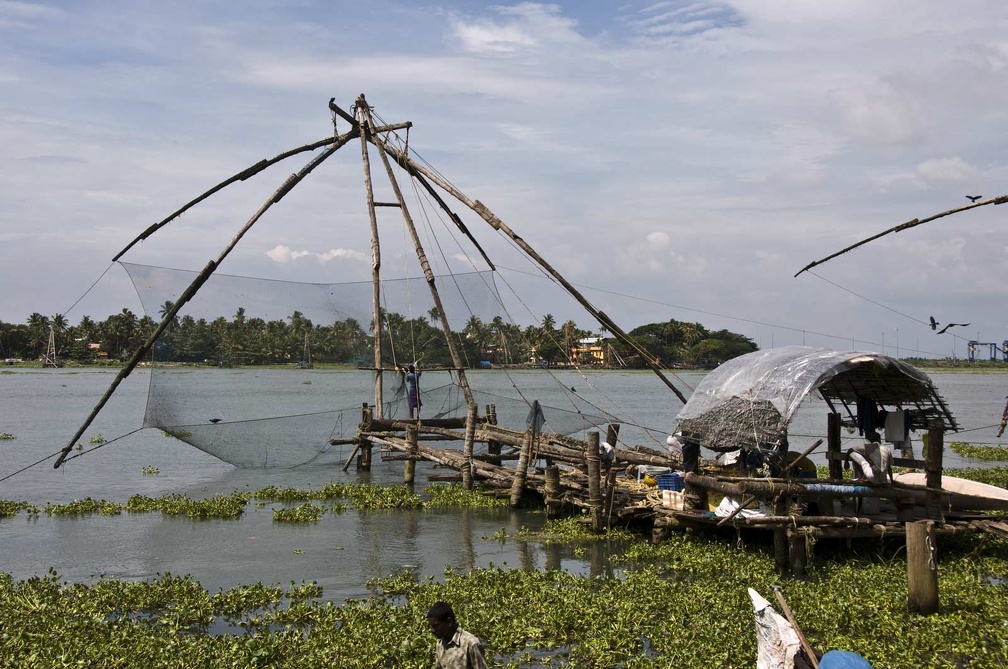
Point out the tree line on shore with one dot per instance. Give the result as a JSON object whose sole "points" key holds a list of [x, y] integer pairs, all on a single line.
{"points": [[245, 340]]}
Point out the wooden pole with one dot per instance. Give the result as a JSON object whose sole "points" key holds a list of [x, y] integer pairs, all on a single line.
{"points": [[413, 167], [833, 445], [594, 488], [383, 150], [493, 446], [467, 447], [409, 467], [933, 468], [361, 119], [797, 554], [552, 491], [521, 471], [364, 450], [922, 566], [813, 658]]}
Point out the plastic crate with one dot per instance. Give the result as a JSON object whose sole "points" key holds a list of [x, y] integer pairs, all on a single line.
{"points": [[671, 481]]}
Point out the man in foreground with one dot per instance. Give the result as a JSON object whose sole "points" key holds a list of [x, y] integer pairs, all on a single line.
{"points": [[456, 648]]}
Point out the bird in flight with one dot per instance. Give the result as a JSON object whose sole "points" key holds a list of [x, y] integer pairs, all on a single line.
{"points": [[951, 325], [973, 198], [216, 420], [934, 323]]}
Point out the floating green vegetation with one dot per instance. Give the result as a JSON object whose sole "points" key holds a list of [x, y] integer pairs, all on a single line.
{"points": [[573, 530], [363, 495], [455, 495], [83, 507], [980, 451], [305, 513], [219, 506], [97, 439], [6, 436], [9, 508], [150, 471], [990, 475], [680, 604]]}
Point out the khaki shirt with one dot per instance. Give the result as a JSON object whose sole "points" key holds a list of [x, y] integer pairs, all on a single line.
{"points": [[462, 651]]}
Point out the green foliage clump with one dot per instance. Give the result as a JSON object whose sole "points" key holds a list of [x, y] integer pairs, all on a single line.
{"points": [[305, 513], [11, 508], [6, 436], [219, 506], [150, 471], [86, 506], [573, 530], [997, 476], [980, 451], [442, 495]]}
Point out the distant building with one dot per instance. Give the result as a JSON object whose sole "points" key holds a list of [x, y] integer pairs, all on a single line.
{"points": [[590, 350]]}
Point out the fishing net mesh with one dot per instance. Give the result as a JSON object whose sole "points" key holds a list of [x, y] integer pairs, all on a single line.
{"points": [[287, 420]]}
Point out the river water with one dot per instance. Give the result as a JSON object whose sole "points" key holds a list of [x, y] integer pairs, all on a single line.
{"points": [[43, 408]]}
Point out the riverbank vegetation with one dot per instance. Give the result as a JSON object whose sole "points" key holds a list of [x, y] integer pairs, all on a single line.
{"points": [[246, 340], [681, 603]]}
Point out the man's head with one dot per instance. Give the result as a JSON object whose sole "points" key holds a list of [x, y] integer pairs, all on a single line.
{"points": [[441, 620]]}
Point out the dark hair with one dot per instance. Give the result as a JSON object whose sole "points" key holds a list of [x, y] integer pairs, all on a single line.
{"points": [[441, 611]]}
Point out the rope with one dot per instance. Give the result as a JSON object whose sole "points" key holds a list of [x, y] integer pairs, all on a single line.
{"points": [[106, 443]]}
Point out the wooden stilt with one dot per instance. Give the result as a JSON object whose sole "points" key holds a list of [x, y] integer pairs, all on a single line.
{"points": [[521, 471], [467, 447], [364, 447], [409, 467], [922, 566], [833, 445], [594, 485], [552, 491], [493, 446], [797, 553], [933, 468]]}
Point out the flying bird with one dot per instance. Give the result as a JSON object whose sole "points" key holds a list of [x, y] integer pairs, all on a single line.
{"points": [[216, 420], [973, 198], [951, 325], [934, 323]]}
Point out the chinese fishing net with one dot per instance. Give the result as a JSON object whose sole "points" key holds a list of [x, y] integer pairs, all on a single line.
{"points": [[283, 413]]}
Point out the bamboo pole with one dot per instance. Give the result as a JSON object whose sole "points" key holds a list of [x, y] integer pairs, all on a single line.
{"points": [[411, 166], [383, 151], [360, 120], [904, 226], [196, 284]]}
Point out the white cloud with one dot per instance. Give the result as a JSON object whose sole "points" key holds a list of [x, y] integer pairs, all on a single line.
{"points": [[284, 254], [349, 254]]}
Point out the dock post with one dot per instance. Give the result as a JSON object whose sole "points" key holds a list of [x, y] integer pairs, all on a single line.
{"points": [[933, 468], [833, 446], [552, 491], [922, 566], [467, 447], [780, 538], [612, 434], [409, 469], [797, 553], [594, 487], [364, 452], [493, 446], [521, 470]]}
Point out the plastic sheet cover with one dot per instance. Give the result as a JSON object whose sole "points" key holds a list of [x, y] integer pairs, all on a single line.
{"points": [[775, 381]]}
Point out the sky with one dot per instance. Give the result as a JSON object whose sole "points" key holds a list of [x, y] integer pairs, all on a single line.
{"points": [[673, 160]]}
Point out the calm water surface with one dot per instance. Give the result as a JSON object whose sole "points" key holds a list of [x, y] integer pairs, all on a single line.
{"points": [[43, 409]]}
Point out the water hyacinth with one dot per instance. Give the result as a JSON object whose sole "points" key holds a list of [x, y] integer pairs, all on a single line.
{"points": [[980, 451]]}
